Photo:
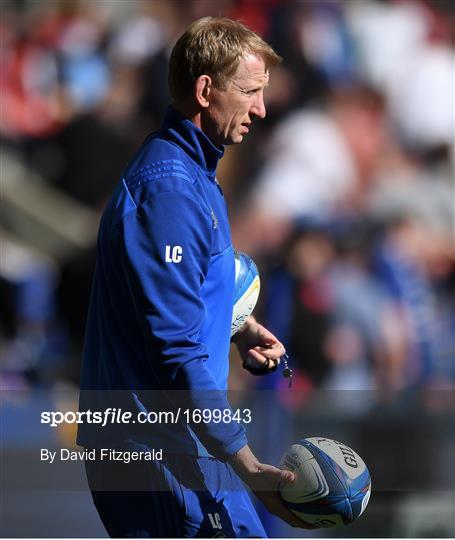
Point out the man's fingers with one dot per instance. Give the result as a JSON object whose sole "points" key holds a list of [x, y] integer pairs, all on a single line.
{"points": [[271, 480], [261, 359], [287, 477], [272, 351], [262, 354]]}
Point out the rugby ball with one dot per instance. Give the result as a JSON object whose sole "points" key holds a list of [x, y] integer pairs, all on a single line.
{"points": [[246, 290], [332, 485]]}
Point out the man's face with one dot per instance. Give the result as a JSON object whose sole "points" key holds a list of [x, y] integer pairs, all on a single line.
{"points": [[232, 110]]}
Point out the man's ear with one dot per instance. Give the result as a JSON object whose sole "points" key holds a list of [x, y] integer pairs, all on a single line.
{"points": [[202, 88]]}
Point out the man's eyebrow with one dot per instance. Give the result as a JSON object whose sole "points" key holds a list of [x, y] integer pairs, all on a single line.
{"points": [[253, 88], [257, 86]]}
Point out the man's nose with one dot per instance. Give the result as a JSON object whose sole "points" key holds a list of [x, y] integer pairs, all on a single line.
{"points": [[258, 107]]}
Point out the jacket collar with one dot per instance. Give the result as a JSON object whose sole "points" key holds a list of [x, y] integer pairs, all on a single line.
{"points": [[192, 140]]}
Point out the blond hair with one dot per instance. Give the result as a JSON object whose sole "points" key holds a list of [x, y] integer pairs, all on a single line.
{"points": [[213, 46]]}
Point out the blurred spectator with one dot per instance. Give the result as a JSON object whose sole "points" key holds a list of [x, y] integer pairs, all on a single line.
{"points": [[416, 258], [37, 346], [405, 49], [363, 349], [156, 97], [319, 167], [28, 80], [415, 261], [298, 303], [332, 313]]}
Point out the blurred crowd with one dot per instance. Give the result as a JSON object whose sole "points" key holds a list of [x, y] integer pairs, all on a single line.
{"points": [[343, 195]]}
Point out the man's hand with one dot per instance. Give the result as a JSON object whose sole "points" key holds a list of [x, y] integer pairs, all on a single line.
{"points": [[258, 347], [265, 481]]}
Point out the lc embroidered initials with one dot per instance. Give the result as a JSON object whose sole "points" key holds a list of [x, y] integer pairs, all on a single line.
{"points": [[173, 254], [215, 520]]}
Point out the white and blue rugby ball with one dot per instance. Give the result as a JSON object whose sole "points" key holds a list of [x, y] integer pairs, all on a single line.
{"points": [[246, 291], [332, 485]]}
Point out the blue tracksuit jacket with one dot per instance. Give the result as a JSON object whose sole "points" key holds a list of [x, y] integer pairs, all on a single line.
{"points": [[161, 304]]}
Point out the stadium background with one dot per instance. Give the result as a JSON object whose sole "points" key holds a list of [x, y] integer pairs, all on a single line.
{"points": [[344, 197]]}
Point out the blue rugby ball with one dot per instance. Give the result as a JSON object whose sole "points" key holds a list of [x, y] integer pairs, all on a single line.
{"points": [[246, 291], [332, 485]]}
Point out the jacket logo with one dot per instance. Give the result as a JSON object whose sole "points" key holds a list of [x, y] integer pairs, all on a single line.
{"points": [[214, 220], [173, 254], [215, 520]]}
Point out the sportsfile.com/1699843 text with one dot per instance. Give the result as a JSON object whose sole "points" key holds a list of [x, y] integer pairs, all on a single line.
{"points": [[118, 416]]}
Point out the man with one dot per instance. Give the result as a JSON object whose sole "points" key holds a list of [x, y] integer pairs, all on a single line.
{"points": [[160, 313]]}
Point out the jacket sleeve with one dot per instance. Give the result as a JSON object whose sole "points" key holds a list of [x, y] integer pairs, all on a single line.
{"points": [[165, 253]]}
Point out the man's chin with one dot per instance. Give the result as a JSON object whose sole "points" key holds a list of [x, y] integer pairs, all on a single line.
{"points": [[236, 140]]}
